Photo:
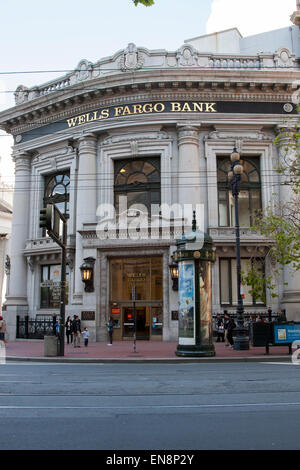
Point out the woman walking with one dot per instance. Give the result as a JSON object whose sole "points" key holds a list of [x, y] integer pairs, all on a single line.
{"points": [[2, 329], [68, 327]]}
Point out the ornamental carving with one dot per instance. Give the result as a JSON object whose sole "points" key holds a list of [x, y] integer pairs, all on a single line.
{"points": [[31, 263], [84, 70], [131, 59], [21, 94], [137, 137], [186, 56], [7, 265], [284, 58]]}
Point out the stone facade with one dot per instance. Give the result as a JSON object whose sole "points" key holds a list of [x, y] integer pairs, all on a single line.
{"points": [[188, 108]]}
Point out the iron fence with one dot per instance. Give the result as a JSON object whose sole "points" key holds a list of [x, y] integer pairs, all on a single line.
{"points": [[35, 328], [268, 316]]}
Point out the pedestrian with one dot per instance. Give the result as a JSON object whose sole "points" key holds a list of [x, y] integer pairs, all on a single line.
{"points": [[282, 316], [260, 319], [251, 321], [86, 335], [57, 327], [76, 331], [2, 329], [110, 329], [230, 328], [220, 328], [226, 318], [68, 327]]}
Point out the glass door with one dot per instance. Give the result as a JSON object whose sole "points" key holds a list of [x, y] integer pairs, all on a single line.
{"points": [[142, 326]]}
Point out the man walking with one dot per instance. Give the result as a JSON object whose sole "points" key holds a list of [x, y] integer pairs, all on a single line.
{"points": [[76, 331]]}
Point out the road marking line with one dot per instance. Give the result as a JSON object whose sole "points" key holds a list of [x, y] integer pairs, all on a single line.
{"points": [[281, 363], [234, 405]]}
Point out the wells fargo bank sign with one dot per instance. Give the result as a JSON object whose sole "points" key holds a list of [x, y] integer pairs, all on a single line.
{"points": [[143, 108], [133, 110]]}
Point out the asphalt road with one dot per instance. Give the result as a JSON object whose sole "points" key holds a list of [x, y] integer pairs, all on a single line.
{"points": [[150, 406]]}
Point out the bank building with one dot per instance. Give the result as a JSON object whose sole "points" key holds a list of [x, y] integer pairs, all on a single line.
{"points": [[156, 128]]}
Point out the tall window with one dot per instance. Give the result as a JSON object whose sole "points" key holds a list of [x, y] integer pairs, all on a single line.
{"points": [[139, 180], [50, 292], [57, 191], [249, 196], [228, 281]]}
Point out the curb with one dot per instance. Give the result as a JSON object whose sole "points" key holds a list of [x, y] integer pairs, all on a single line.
{"points": [[149, 360]]}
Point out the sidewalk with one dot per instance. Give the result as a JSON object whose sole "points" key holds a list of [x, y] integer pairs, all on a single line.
{"points": [[146, 351]]}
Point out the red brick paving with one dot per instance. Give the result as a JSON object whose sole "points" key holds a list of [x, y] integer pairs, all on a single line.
{"points": [[124, 350]]}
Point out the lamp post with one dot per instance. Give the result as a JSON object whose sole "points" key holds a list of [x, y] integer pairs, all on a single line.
{"points": [[241, 342]]}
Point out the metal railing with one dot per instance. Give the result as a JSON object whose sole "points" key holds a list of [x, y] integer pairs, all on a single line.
{"points": [[266, 316], [35, 328]]}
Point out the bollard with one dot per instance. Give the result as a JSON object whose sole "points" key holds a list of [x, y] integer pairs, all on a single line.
{"points": [[50, 346]]}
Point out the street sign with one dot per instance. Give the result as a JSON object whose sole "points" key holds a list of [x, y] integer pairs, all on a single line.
{"points": [[50, 283]]}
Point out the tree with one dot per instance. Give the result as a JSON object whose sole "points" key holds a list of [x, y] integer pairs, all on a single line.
{"points": [[147, 3], [281, 224]]}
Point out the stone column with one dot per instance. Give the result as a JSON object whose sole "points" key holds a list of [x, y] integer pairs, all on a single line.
{"points": [[189, 191], [16, 300], [203, 186], [291, 292], [86, 201]]}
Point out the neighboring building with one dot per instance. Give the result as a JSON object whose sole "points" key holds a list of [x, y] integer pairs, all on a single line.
{"points": [[6, 196], [157, 127]]}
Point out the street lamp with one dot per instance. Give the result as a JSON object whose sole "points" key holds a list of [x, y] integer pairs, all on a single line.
{"points": [[87, 274], [174, 274], [241, 342]]}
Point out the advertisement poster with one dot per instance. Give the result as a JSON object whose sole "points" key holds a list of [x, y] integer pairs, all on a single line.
{"points": [[285, 334], [205, 303], [186, 300]]}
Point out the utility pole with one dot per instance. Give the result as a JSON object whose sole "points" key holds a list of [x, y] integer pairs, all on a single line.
{"points": [[50, 218], [134, 317]]}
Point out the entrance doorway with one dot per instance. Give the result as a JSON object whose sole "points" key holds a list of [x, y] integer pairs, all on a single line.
{"points": [[145, 275], [142, 326]]}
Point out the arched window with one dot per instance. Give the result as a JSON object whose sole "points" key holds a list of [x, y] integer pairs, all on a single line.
{"points": [[139, 181], [57, 191], [249, 196]]}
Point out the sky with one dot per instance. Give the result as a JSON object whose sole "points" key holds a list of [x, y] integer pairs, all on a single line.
{"points": [[55, 36]]}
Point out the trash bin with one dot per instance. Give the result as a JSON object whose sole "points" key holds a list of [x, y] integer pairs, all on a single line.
{"points": [[50, 346], [261, 334]]}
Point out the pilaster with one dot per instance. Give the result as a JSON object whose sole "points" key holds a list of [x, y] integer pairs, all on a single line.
{"points": [[16, 300], [188, 165], [291, 278], [86, 201]]}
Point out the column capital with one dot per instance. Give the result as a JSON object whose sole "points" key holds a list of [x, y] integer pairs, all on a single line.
{"points": [[188, 133], [285, 130], [87, 143], [22, 161]]}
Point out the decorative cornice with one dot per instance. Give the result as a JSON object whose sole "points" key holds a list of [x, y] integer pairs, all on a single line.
{"points": [[133, 59]]}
